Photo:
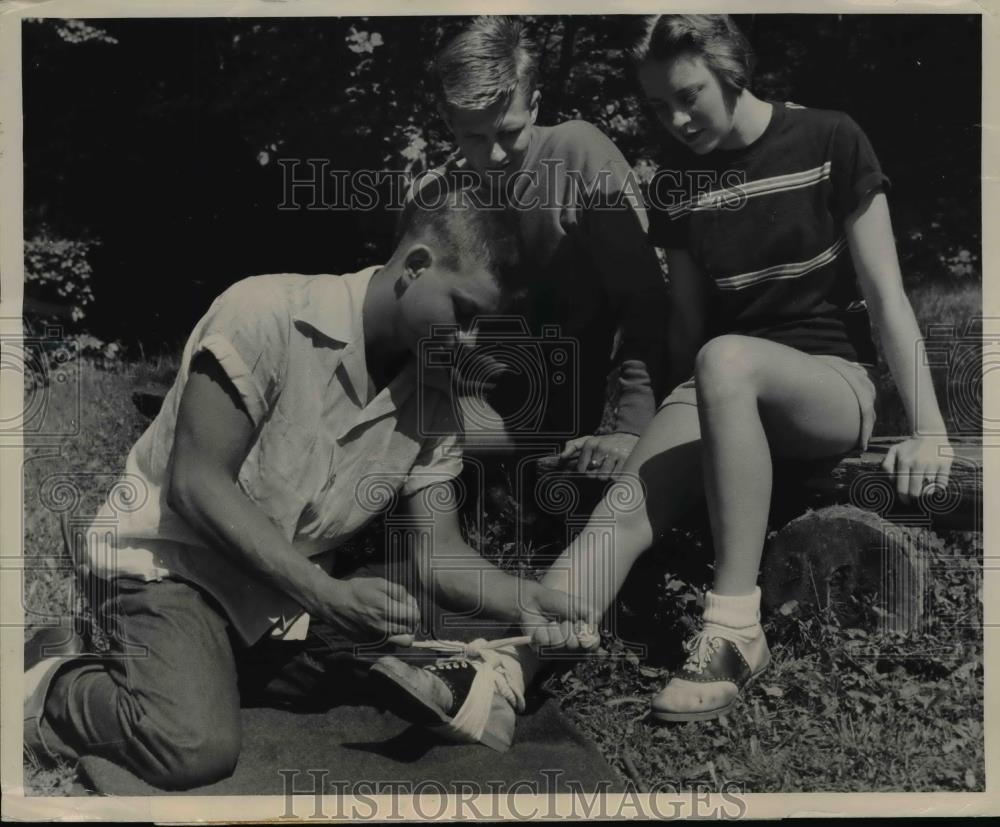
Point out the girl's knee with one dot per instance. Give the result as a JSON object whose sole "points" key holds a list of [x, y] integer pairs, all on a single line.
{"points": [[724, 365]]}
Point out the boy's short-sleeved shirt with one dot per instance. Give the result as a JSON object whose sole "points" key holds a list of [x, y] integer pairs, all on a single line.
{"points": [[766, 224], [324, 456]]}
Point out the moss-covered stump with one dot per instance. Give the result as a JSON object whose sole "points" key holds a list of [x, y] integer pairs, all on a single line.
{"points": [[869, 570]]}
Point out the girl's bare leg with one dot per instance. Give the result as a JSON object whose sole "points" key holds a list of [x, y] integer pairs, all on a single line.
{"points": [[755, 398], [665, 465], [661, 479]]}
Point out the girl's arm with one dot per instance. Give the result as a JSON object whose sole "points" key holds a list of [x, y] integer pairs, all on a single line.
{"points": [[925, 457], [687, 320], [212, 439]]}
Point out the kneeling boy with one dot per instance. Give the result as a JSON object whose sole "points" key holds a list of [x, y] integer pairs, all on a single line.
{"points": [[298, 410]]}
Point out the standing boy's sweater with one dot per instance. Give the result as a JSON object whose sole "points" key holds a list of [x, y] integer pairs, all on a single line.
{"points": [[583, 231]]}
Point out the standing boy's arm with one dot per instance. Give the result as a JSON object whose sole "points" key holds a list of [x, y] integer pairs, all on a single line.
{"points": [[212, 439], [615, 235], [634, 281]]}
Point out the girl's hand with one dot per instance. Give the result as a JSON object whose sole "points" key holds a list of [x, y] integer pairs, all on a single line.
{"points": [[917, 463]]}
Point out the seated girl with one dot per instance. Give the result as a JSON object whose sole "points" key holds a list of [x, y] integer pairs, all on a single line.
{"points": [[777, 235]]}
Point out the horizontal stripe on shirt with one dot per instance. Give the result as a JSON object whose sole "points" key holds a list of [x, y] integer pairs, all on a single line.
{"points": [[739, 194], [779, 272]]}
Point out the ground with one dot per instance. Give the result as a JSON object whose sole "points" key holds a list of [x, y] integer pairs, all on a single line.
{"points": [[840, 709]]}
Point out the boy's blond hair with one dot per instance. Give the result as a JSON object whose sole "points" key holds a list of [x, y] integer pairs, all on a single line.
{"points": [[463, 233], [486, 63]]}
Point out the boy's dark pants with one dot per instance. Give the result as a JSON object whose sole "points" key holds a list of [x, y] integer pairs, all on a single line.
{"points": [[170, 711]]}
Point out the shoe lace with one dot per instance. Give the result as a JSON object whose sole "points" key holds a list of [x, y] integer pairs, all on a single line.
{"points": [[488, 654], [484, 655], [701, 647], [490, 659]]}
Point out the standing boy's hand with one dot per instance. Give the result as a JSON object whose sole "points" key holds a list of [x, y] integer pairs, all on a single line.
{"points": [[367, 608], [601, 456]]}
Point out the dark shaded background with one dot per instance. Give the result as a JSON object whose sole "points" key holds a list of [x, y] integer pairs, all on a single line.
{"points": [[148, 137]]}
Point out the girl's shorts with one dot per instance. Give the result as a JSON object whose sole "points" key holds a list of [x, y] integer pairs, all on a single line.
{"points": [[857, 375]]}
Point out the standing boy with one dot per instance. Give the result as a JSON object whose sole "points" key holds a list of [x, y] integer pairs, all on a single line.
{"points": [[581, 230]]}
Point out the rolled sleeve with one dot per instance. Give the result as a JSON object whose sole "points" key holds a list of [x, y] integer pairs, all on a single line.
{"points": [[636, 400], [246, 330], [856, 170]]}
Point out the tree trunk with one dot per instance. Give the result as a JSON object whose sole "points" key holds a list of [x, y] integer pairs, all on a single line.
{"points": [[851, 560]]}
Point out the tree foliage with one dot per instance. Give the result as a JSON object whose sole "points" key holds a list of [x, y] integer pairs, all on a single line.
{"points": [[161, 138]]}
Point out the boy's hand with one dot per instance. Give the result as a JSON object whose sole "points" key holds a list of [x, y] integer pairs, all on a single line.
{"points": [[554, 618], [918, 463], [368, 608], [599, 456]]}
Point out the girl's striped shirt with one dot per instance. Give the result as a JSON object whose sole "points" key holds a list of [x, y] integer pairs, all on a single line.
{"points": [[766, 224]]}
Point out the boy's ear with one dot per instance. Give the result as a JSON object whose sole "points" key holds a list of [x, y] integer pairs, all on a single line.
{"points": [[418, 258], [442, 109], [536, 96]]}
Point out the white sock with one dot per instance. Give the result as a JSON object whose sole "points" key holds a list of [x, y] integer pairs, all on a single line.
{"points": [[739, 614]]}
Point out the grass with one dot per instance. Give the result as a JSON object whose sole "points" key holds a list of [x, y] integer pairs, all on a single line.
{"points": [[838, 710], [950, 319]]}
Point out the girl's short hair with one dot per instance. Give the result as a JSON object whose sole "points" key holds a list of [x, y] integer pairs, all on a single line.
{"points": [[713, 37], [485, 63]]}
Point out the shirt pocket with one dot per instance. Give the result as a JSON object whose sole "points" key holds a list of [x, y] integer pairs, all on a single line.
{"points": [[321, 516], [279, 472]]}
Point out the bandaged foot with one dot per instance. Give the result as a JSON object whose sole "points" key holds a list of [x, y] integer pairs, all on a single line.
{"points": [[728, 652], [471, 697]]}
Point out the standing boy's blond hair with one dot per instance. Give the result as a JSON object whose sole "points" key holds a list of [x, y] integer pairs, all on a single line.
{"points": [[487, 62]]}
